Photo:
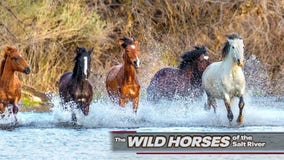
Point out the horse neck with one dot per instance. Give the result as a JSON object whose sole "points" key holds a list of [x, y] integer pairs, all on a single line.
{"points": [[196, 79], [229, 65], [187, 73], [77, 73], [7, 75], [129, 72]]}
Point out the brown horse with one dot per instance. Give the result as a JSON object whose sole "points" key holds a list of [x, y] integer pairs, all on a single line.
{"points": [[122, 83], [10, 85], [74, 86], [181, 82]]}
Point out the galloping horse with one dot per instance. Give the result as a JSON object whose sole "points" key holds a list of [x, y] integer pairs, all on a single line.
{"points": [[181, 82], [122, 83], [74, 86], [10, 85], [225, 79]]}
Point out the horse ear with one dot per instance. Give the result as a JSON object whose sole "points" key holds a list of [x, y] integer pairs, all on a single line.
{"points": [[121, 43], [91, 50], [6, 50], [77, 49], [136, 43]]}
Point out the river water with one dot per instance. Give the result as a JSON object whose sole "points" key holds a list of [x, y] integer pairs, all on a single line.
{"points": [[50, 135]]}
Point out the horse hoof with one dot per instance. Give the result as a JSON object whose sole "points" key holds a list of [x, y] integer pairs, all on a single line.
{"points": [[230, 117], [206, 107], [240, 120], [74, 118], [15, 109]]}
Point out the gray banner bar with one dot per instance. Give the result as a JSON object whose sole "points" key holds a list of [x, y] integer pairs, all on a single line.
{"points": [[197, 141]]}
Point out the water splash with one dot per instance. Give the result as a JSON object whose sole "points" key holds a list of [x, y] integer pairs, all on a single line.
{"points": [[104, 114], [7, 119]]}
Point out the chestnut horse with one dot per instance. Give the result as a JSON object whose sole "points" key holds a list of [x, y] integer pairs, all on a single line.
{"points": [[121, 82], [74, 86], [10, 85], [181, 82], [225, 79]]}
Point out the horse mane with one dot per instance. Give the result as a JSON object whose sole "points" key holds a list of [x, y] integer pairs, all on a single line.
{"points": [[189, 57], [2, 66], [126, 41], [226, 46], [3, 62]]}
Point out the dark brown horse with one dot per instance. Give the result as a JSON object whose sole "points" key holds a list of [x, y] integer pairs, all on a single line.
{"points": [[74, 86], [122, 83], [181, 82], [10, 85]]}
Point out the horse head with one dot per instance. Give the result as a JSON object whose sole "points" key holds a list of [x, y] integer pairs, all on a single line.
{"points": [[16, 60], [234, 47], [82, 62], [196, 59], [131, 51]]}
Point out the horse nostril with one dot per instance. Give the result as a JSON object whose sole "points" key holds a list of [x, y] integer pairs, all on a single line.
{"points": [[135, 63], [27, 70]]}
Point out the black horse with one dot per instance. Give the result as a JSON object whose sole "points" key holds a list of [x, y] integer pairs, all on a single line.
{"points": [[182, 82], [74, 86]]}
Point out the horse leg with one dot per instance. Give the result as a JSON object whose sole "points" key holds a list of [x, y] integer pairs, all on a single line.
{"points": [[85, 109], [2, 109], [15, 111], [122, 102], [229, 111], [135, 104], [241, 107], [210, 102], [73, 117]]}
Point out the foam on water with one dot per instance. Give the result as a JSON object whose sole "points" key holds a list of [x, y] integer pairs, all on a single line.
{"points": [[104, 114]]}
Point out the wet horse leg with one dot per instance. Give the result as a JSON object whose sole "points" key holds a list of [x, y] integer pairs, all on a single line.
{"points": [[229, 111], [210, 102], [241, 107], [122, 102], [2, 109], [228, 107], [15, 109], [85, 108], [135, 104]]}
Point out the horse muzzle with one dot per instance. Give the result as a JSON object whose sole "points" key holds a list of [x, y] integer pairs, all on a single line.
{"points": [[136, 63], [240, 63], [27, 70]]}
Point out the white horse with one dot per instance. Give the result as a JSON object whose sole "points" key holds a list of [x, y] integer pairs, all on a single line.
{"points": [[225, 79]]}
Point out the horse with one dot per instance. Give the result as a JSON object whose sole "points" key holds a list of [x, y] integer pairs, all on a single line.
{"points": [[182, 82], [122, 82], [225, 79], [10, 85], [74, 86]]}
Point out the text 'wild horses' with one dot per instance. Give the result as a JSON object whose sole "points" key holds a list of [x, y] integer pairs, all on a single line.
{"points": [[74, 86], [181, 82], [121, 82], [225, 79], [10, 85]]}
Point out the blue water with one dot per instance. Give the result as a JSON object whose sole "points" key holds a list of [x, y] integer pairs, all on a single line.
{"points": [[51, 136]]}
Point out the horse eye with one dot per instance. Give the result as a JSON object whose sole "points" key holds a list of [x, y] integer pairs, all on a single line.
{"points": [[15, 58]]}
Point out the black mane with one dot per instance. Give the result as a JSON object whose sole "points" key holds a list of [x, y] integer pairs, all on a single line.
{"points": [[126, 41], [189, 57], [226, 47]]}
